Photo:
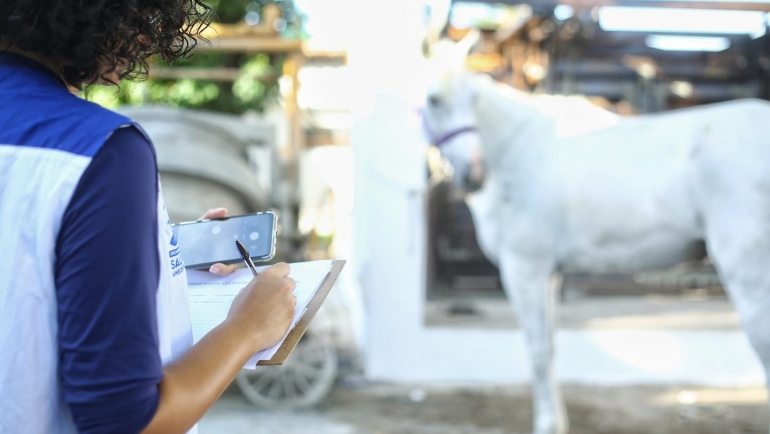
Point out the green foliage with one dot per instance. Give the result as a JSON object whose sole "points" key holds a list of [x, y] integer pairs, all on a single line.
{"points": [[253, 90], [233, 11]]}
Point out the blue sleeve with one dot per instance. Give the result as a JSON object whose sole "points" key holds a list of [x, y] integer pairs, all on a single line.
{"points": [[107, 273]]}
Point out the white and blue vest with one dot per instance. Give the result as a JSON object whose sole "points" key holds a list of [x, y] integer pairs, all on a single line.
{"points": [[36, 184]]}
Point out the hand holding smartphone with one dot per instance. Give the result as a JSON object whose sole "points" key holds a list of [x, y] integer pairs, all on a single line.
{"points": [[207, 242]]}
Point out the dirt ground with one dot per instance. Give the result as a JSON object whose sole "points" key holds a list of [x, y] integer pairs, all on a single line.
{"points": [[391, 409]]}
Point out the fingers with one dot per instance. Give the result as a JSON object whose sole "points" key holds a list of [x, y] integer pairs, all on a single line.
{"points": [[280, 269], [286, 287], [222, 269], [214, 213], [291, 285], [218, 269]]}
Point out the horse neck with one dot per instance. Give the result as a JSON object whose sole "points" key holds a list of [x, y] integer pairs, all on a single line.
{"points": [[503, 115]]}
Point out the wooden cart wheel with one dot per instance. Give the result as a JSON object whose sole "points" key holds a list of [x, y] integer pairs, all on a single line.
{"points": [[303, 381]]}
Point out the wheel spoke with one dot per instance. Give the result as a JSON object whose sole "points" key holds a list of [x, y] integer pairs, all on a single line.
{"points": [[302, 384], [264, 379], [275, 390], [308, 371], [288, 387]]}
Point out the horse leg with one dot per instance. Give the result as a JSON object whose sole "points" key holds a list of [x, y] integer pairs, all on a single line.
{"points": [[531, 289], [738, 240]]}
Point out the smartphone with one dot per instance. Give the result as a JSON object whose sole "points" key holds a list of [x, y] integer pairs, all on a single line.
{"points": [[207, 242]]}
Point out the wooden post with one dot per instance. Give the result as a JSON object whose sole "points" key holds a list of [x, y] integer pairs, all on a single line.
{"points": [[291, 69]]}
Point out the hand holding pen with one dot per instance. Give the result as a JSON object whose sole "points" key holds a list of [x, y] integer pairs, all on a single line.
{"points": [[249, 263]]}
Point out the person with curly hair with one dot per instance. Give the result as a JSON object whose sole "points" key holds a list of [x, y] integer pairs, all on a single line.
{"points": [[94, 320]]}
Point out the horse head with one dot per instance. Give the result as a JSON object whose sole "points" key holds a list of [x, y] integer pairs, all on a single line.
{"points": [[448, 112]]}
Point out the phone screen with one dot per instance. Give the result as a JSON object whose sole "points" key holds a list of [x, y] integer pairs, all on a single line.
{"points": [[209, 242]]}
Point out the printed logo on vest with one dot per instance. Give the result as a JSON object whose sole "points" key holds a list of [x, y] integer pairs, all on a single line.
{"points": [[177, 264]]}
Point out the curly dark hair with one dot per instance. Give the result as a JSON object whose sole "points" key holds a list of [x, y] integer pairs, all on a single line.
{"points": [[93, 39]]}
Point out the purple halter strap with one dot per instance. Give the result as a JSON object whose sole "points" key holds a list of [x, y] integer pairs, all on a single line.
{"points": [[439, 141]]}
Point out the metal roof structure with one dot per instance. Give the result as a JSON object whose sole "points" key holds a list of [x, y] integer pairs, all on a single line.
{"points": [[583, 57]]}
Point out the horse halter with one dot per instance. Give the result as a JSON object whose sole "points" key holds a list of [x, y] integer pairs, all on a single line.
{"points": [[439, 141]]}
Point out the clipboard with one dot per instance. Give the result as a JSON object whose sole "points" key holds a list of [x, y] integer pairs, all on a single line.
{"points": [[299, 330]]}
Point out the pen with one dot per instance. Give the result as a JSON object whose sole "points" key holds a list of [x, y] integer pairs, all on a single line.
{"points": [[245, 255]]}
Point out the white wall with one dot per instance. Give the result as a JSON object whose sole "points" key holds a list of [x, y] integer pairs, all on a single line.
{"points": [[384, 59]]}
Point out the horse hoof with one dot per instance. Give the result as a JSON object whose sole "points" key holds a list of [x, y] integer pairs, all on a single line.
{"points": [[552, 431]]}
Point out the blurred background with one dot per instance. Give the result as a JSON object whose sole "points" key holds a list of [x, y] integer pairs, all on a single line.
{"points": [[310, 108]]}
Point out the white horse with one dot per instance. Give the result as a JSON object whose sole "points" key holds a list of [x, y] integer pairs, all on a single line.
{"points": [[571, 187]]}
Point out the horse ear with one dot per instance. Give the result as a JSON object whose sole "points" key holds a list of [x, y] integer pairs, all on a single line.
{"points": [[466, 44], [437, 22]]}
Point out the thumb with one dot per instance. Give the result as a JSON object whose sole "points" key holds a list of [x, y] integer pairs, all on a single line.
{"points": [[222, 269], [215, 213]]}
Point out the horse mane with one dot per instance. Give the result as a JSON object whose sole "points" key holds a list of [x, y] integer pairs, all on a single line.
{"points": [[571, 114]]}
